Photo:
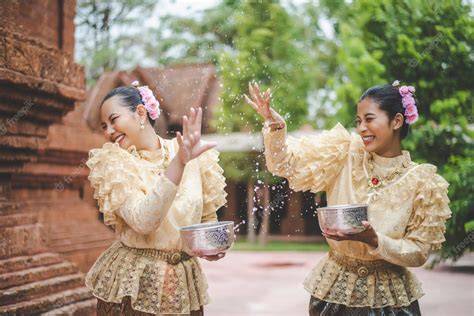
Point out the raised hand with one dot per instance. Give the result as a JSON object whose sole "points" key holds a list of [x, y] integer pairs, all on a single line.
{"points": [[260, 102], [190, 143]]}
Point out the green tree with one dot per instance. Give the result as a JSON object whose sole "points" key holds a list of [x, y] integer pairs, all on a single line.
{"points": [[196, 39], [266, 51], [267, 48], [109, 34], [205, 37]]}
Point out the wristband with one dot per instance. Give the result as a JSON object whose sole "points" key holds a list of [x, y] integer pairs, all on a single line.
{"points": [[275, 125]]}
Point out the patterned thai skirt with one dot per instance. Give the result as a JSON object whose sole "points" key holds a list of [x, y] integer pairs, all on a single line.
{"points": [[125, 309], [318, 307], [341, 285], [134, 281]]}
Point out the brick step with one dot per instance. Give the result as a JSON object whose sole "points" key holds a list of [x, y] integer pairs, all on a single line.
{"points": [[46, 303], [10, 208], [28, 262], [18, 219], [83, 308], [40, 288], [21, 240], [35, 274]]}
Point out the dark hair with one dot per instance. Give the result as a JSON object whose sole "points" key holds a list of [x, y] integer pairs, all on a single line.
{"points": [[389, 100], [130, 97]]}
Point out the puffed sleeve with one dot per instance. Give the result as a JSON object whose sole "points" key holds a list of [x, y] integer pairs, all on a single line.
{"points": [[426, 227], [122, 196], [309, 163], [213, 184]]}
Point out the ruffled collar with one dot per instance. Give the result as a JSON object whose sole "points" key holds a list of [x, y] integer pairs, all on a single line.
{"points": [[152, 156], [391, 162]]}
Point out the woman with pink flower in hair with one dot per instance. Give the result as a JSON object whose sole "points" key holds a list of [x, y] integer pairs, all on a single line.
{"points": [[365, 273], [147, 188]]}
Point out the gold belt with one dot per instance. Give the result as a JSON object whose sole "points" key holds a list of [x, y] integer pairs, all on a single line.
{"points": [[362, 267], [171, 257]]}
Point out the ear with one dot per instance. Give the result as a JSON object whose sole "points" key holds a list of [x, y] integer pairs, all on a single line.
{"points": [[141, 113], [398, 121]]}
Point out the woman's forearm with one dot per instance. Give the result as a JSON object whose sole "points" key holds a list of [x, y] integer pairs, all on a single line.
{"points": [[404, 252], [175, 170], [144, 212]]}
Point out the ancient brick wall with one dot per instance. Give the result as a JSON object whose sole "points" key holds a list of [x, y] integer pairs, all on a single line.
{"points": [[39, 84]]}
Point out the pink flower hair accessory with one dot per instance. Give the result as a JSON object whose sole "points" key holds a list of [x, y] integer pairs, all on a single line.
{"points": [[149, 101], [408, 102]]}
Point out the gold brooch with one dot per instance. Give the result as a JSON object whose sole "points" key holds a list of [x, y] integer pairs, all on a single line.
{"points": [[175, 258], [362, 272]]}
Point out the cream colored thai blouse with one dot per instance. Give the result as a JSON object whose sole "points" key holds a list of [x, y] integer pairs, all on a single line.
{"points": [[146, 210], [409, 214]]}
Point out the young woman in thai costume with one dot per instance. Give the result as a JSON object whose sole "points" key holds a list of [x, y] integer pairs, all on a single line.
{"points": [[147, 188], [365, 273]]}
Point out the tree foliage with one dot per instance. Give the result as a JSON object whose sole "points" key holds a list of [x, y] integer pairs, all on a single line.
{"points": [[196, 39], [266, 51], [105, 38]]}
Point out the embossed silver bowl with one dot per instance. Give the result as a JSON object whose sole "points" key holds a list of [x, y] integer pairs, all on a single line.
{"points": [[208, 239], [345, 218]]}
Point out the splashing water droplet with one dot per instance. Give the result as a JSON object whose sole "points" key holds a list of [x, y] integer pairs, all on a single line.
{"points": [[237, 226]]}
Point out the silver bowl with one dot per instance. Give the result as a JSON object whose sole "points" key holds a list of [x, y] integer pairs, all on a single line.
{"points": [[208, 239], [345, 218]]}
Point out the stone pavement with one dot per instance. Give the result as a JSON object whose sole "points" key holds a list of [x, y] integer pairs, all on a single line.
{"points": [[270, 283]]}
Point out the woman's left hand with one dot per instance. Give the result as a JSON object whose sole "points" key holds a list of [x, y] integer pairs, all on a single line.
{"points": [[368, 236], [190, 143], [215, 257]]}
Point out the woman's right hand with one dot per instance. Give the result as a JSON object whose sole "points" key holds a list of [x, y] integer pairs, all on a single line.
{"points": [[260, 102]]}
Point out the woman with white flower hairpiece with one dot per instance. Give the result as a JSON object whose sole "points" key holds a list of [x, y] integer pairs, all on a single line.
{"points": [[147, 188], [365, 273]]}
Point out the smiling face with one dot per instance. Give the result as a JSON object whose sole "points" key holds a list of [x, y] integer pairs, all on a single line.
{"points": [[119, 123], [380, 135]]}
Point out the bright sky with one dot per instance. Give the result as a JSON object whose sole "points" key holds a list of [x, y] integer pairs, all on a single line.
{"points": [[180, 8]]}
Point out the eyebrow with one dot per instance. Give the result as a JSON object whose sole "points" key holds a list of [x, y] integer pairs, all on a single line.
{"points": [[367, 114], [101, 123]]}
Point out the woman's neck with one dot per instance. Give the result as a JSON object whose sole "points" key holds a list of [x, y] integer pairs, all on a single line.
{"points": [[149, 140], [394, 150]]}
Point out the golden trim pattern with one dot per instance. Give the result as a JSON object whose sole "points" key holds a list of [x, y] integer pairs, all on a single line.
{"points": [[171, 257]]}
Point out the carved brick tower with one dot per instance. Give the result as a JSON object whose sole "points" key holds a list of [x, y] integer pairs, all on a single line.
{"points": [[41, 169]]}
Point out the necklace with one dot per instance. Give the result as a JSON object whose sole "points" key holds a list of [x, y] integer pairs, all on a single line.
{"points": [[375, 182], [151, 156], [166, 155]]}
